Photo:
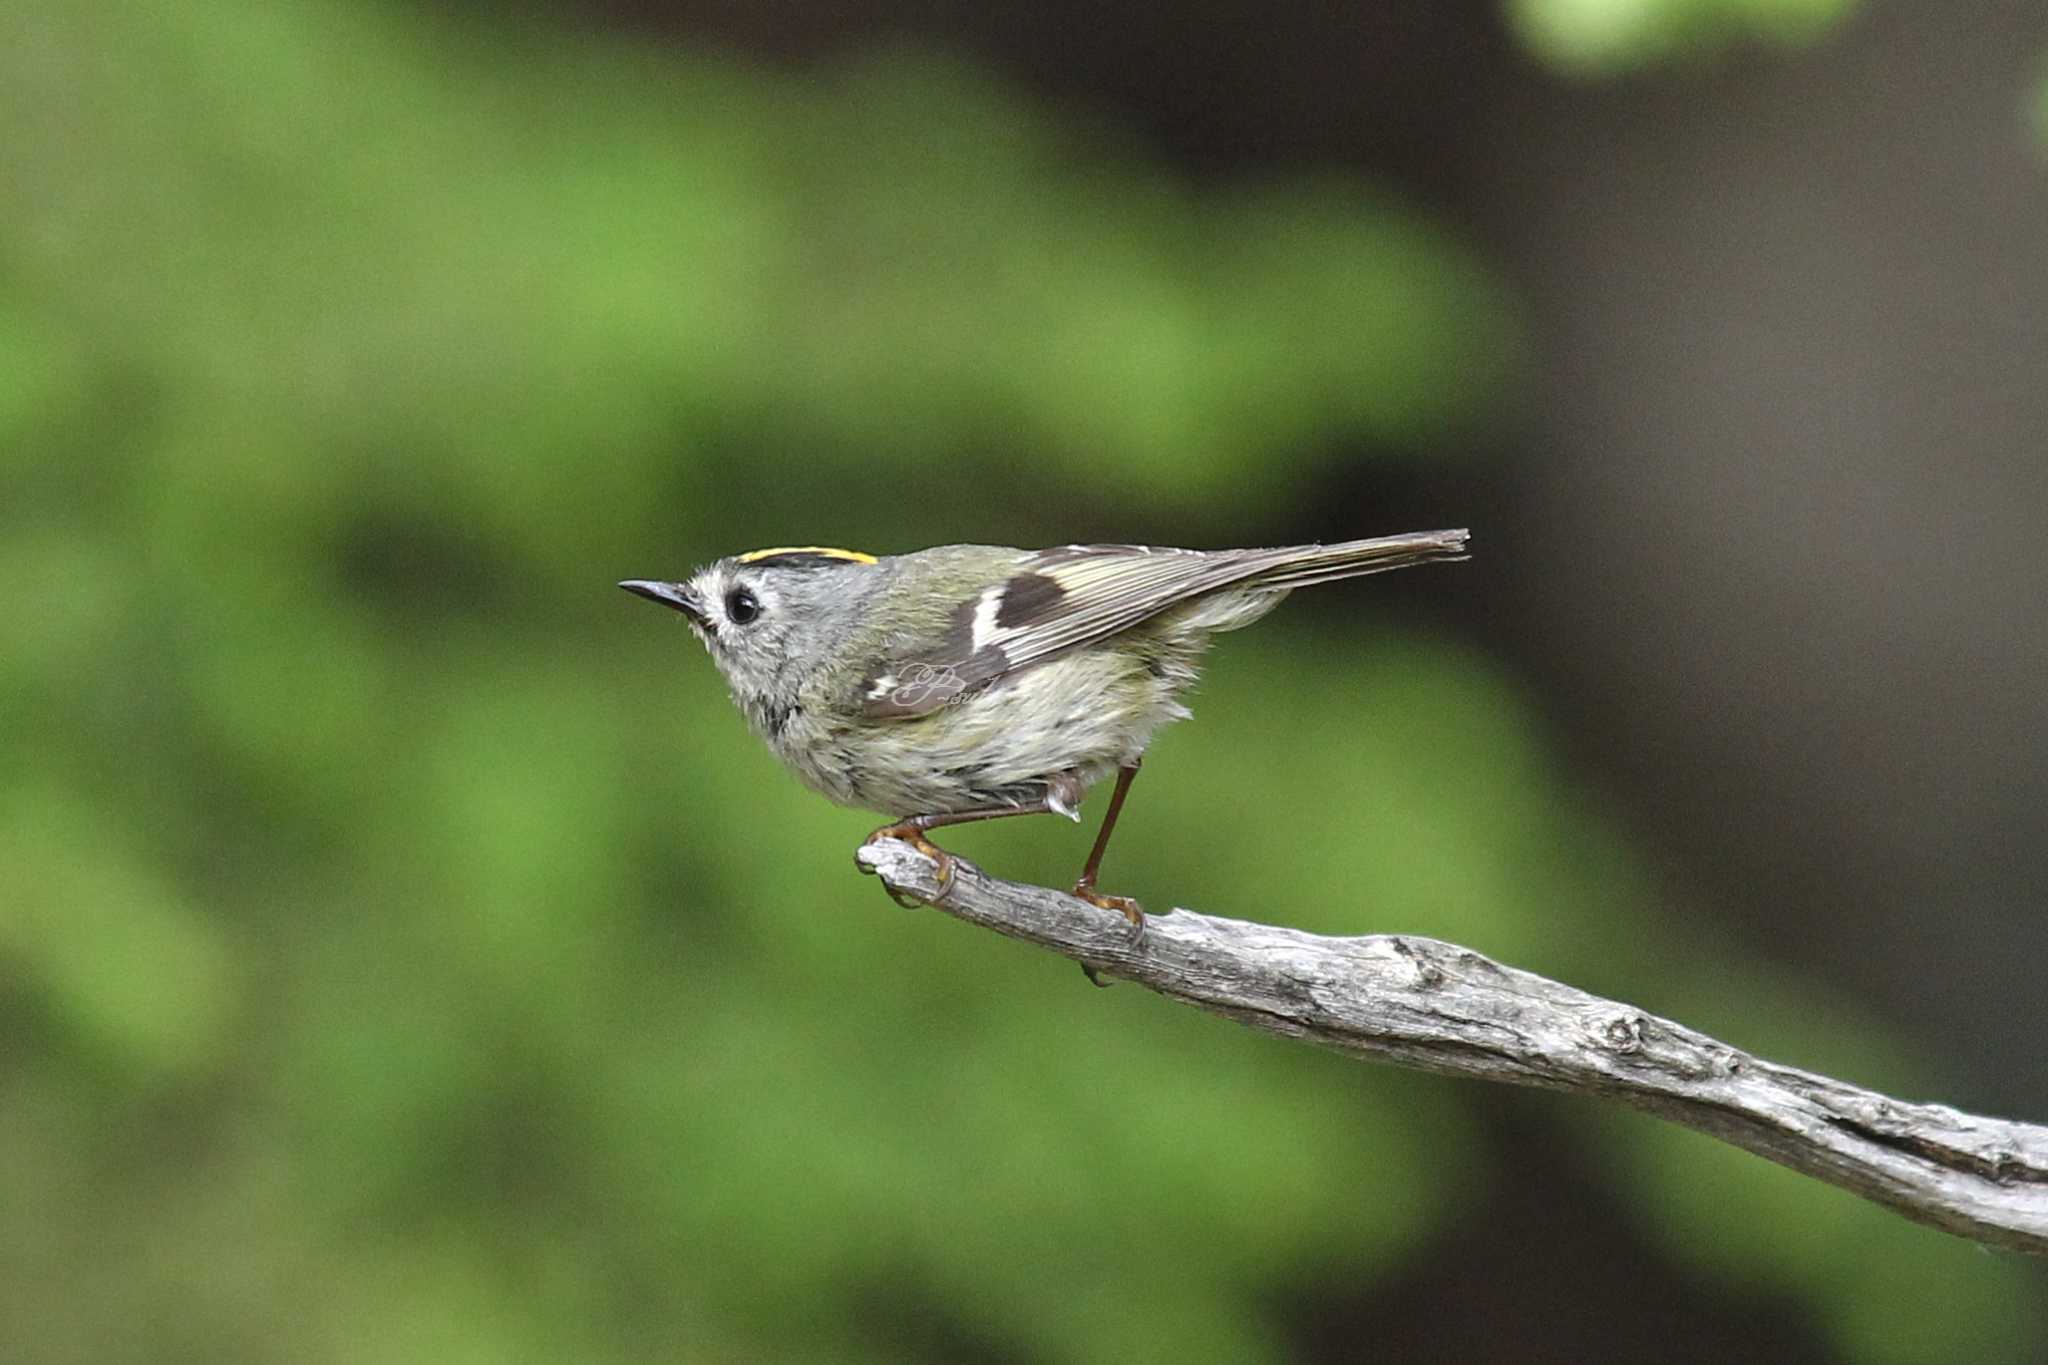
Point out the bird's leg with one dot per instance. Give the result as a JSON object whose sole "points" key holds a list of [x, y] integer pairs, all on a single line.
{"points": [[1085, 888], [911, 830]]}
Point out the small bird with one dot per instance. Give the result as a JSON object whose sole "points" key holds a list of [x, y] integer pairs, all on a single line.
{"points": [[971, 682]]}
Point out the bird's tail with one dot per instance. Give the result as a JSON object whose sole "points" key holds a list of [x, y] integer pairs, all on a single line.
{"points": [[1302, 565]]}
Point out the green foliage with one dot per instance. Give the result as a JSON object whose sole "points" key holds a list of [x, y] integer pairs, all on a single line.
{"points": [[1599, 37], [409, 956]]}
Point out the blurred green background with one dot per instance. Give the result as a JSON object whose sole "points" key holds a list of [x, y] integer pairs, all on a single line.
{"points": [[406, 955]]}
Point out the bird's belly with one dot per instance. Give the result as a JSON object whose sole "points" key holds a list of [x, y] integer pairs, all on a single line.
{"points": [[1076, 719]]}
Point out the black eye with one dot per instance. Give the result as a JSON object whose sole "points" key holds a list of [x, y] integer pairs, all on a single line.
{"points": [[740, 606]]}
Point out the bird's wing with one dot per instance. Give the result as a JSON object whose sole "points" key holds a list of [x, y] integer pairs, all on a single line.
{"points": [[1052, 601]]}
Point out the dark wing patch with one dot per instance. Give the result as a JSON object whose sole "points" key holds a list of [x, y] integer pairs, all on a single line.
{"points": [[1026, 598]]}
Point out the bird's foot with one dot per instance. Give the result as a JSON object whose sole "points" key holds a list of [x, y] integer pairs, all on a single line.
{"points": [[1124, 906], [913, 834]]}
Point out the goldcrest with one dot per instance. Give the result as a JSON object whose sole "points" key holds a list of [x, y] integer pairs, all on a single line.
{"points": [[969, 682]]}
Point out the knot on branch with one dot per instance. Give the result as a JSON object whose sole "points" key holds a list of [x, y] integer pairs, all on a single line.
{"points": [[1435, 1006]]}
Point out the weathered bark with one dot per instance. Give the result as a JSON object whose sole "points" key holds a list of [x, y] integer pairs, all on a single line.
{"points": [[1434, 1006]]}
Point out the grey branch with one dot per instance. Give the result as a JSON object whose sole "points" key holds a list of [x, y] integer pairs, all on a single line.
{"points": [[1434, 1006]]}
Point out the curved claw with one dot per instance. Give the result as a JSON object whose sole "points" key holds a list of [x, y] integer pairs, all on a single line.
{"points": [[944, 861], [941, 860], [1123, 905]]}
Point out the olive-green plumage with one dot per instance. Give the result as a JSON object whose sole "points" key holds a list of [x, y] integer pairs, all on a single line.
{"points": [[972, 679], [971, 676]]}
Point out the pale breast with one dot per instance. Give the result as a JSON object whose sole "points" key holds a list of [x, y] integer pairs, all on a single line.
{"points": [[1081, 715]]}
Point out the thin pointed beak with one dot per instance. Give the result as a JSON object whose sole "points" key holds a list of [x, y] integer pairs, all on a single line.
{"points": [[673, 595]]}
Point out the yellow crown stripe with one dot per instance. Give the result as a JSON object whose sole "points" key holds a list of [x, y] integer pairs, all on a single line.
{"points": [[829, 552]]}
